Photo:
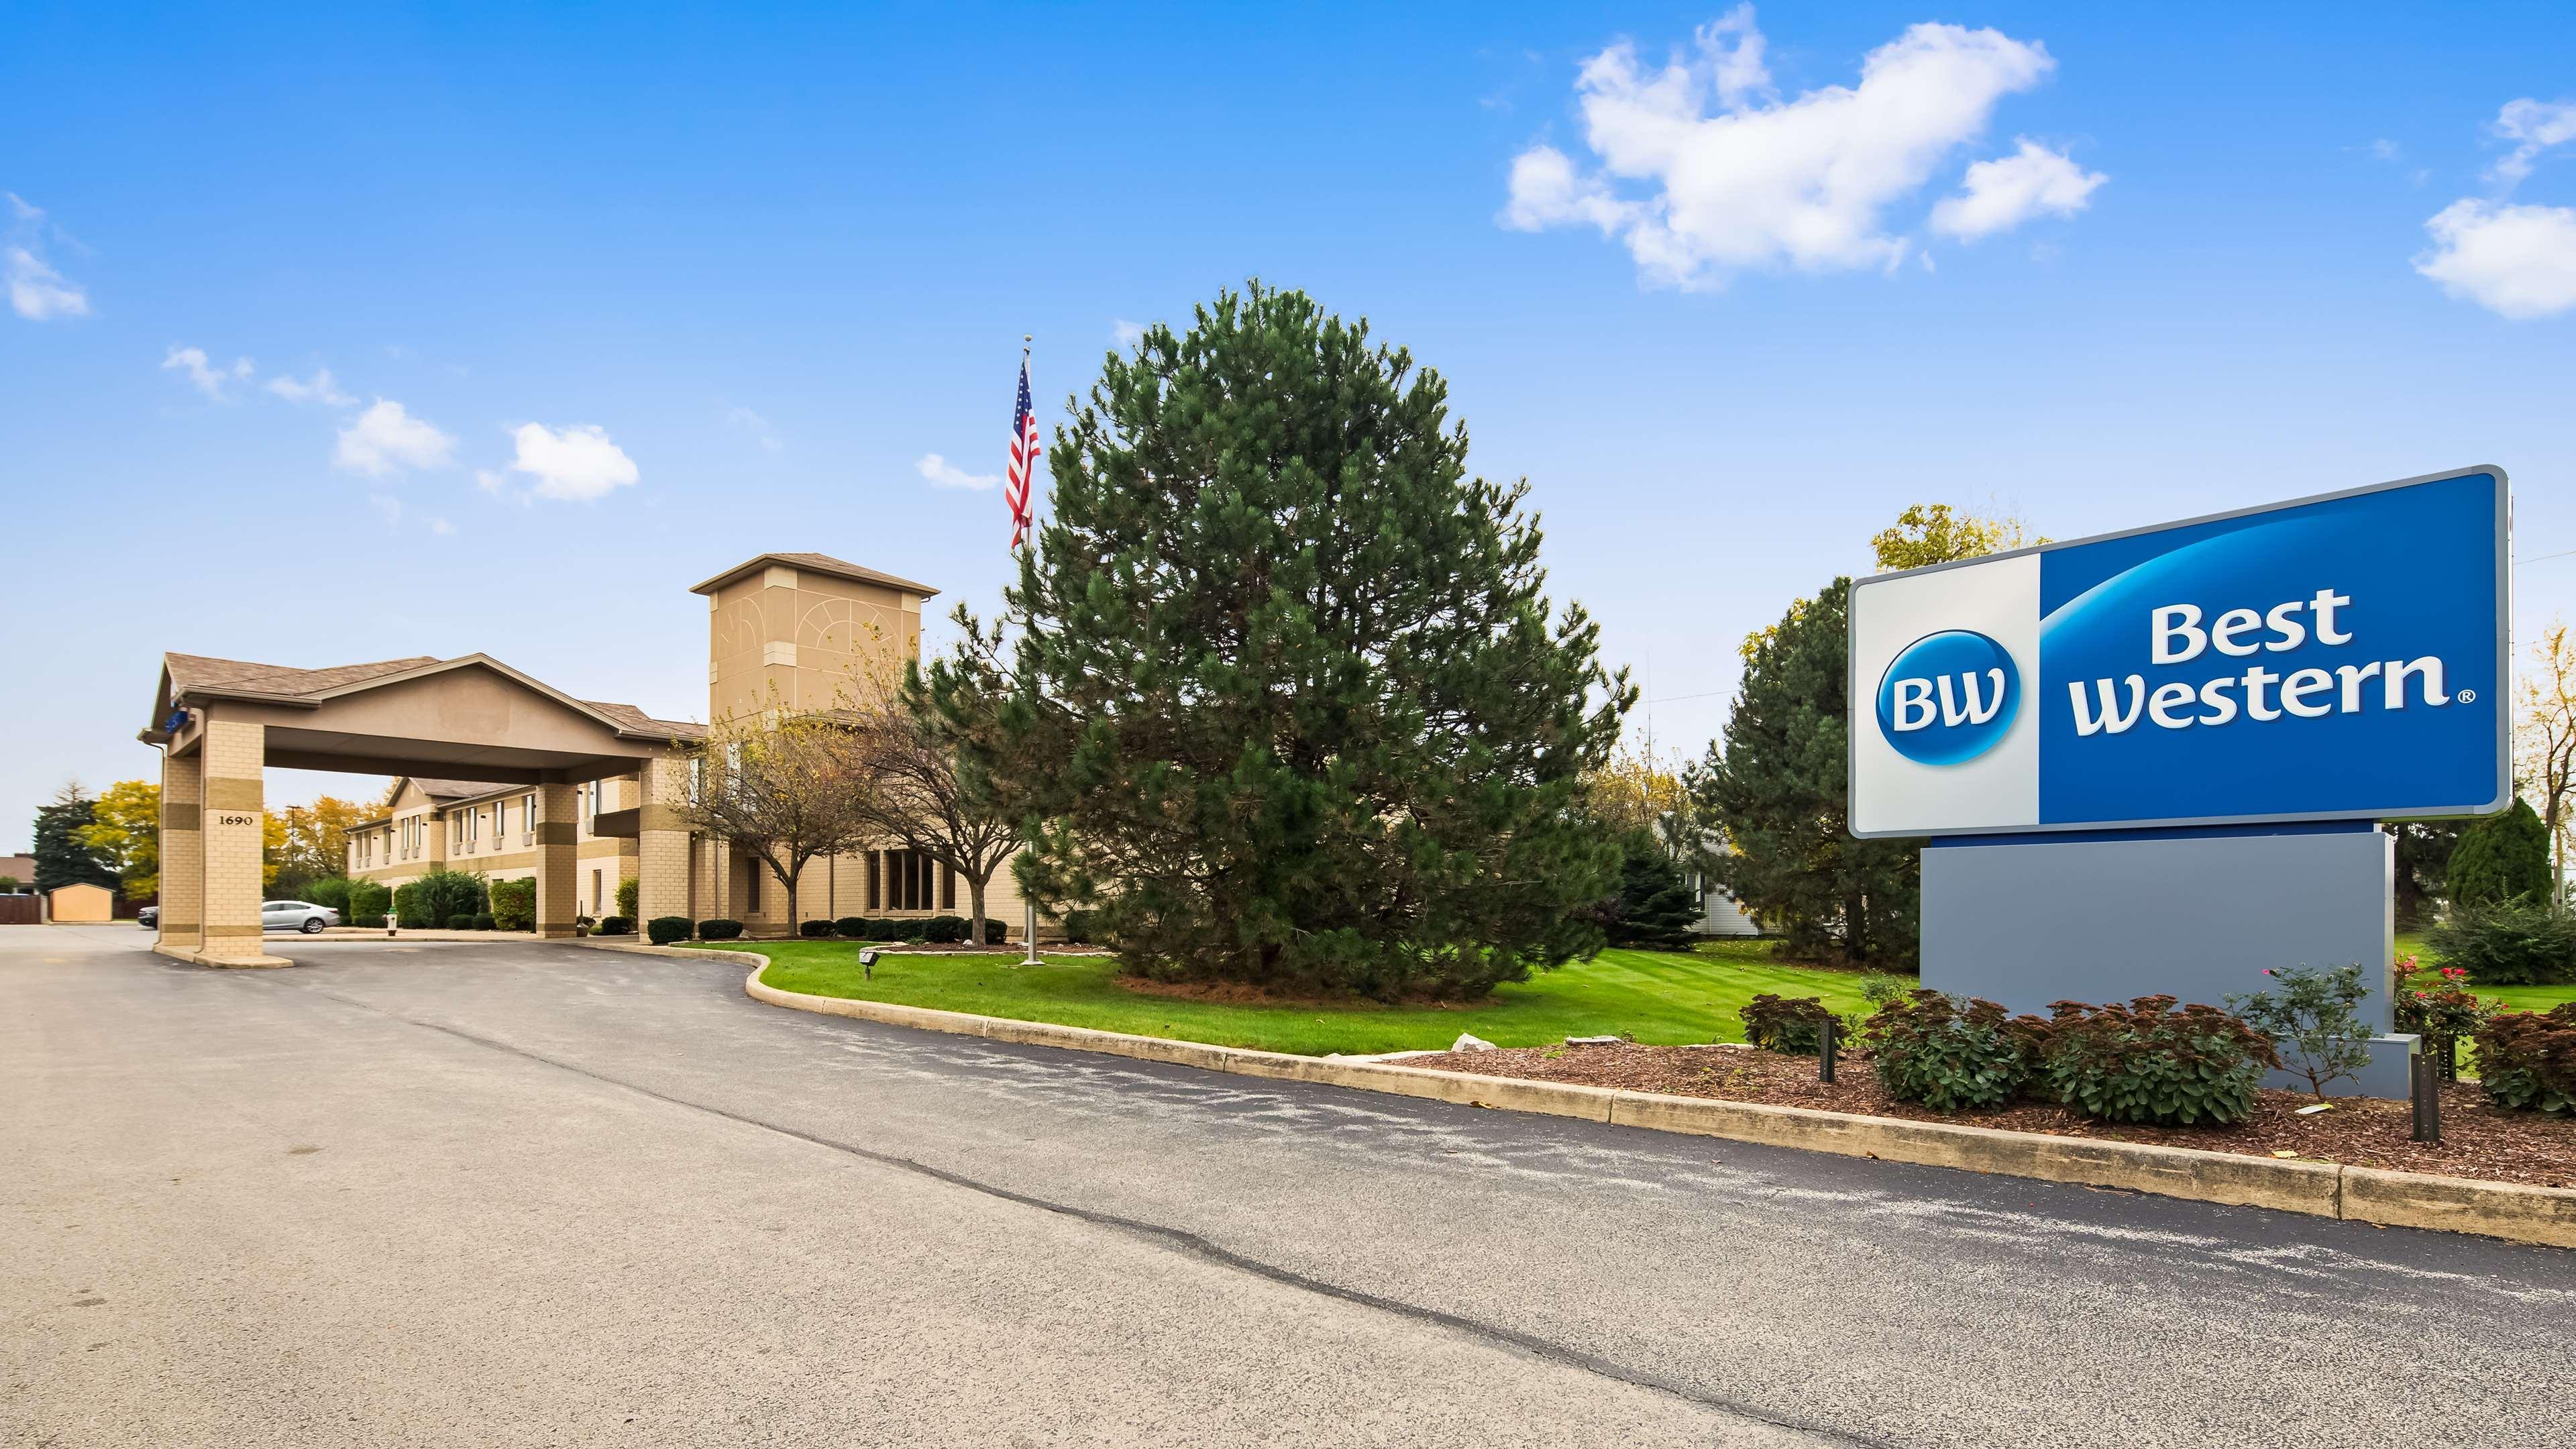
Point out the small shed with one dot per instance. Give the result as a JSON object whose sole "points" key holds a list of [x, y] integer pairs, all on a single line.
{"points": [[82, 902]]}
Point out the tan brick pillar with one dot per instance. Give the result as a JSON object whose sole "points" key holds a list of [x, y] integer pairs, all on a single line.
{"points": [[232, 756], [183, 853], [558, 861], [715, 879], [662, 840]]}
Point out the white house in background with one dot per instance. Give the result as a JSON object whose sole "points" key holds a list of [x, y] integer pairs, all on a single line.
{"points": [[1719, 914]]}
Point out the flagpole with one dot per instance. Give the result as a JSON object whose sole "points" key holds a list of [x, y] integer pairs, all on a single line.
{"points": [[1027, 508]]}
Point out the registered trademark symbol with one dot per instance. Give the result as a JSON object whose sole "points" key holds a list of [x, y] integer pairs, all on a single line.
{"points": [[2468, 696]]}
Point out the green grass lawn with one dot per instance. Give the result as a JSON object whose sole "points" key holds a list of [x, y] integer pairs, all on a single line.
{"points": [[2512, 998], [1656, 996]]}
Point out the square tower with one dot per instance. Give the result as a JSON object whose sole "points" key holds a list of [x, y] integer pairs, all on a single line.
{"points": [[805, 631]]}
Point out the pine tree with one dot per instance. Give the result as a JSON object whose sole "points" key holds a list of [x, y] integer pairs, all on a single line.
{"points": [[62, 856], [2501, 858], [1779, 785], [1654, 905], [1286, 703]]}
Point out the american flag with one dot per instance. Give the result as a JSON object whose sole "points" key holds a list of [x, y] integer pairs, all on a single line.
{"points": [[1024, 457]]}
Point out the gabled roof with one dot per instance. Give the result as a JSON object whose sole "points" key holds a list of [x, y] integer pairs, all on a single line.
{"points": [[444, 790], [198, 675], [195, 673], [819, 563]]}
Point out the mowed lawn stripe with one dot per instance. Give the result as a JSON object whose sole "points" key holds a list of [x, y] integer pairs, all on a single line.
{"points": [[1656, 996]]}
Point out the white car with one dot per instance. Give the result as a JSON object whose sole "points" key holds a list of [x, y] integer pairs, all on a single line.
{"points": [[296, 916]]}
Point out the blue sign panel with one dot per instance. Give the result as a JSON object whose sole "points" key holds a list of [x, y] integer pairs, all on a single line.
{"points": [[2341, 657]]}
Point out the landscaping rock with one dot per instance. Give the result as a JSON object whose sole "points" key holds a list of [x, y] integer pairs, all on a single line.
{"points": [[1470, 1043]]}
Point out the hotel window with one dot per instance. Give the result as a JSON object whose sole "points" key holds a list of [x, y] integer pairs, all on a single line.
{"points": [[527, 815]]}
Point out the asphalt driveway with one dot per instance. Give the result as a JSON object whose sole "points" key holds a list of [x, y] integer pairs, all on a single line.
{"points": [[532, 1194]]}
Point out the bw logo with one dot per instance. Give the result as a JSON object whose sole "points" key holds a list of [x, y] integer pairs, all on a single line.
{"points": [[1948, 698]]}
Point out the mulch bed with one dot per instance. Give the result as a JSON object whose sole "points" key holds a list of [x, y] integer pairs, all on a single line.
{"points": [[2478, 1139]]}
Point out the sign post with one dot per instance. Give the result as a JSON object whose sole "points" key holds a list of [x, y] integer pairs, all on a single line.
{"points": [[2155, 761]]}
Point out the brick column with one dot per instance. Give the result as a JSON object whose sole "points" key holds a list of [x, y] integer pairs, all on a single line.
{"points": [[662, 839], [232, 756], [715, 879], [558, 859], [183, 853]]}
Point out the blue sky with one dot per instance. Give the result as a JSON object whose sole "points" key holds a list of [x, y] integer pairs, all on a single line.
{"points": [[643, 285]]}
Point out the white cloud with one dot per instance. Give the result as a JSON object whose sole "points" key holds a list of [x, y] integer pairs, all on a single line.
{"points": [[490, 482], [948, 475], [318, 388], [756, 425], [1759, 182], [2515, 261], [38, 292], [1126, 333], [203, 375], [2384, 149], [385, 439], [2534, 127], [578, 463], [2001, 194], [441, 526]]}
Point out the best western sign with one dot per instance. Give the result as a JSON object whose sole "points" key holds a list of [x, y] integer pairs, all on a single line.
{"points": [[2333, 658]]}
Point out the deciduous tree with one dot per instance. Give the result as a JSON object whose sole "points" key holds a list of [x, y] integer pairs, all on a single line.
{"points": [[912, 744], [1935, 533], [781, 788], [125, 831], [1286, 701], [2546, 734]]}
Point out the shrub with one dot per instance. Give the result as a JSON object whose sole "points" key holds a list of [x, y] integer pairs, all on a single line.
{"points": [[2439, 1013], [663, 930], [616, 925], [368, 903], [2145, 1062], [995, 933], [2501, 858], [2313, 1012], [815, 930], [853, 928], [332, 891], [719, 930], [945, 930], [1078, 927], [913, 930], [1950, 1053], [514, 903], [449, 893], [2517, 943], [409, 912], [1776, 1025], [461, 921], [2527, 1059], [630, 892], [483, 922]]}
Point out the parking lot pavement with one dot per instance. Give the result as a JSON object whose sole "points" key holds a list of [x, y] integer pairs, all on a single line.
{"points": [[520, 1193]]}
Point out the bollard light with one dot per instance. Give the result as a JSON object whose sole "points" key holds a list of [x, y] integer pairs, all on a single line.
{"points": [[1825, 1044], [2427, 1078]]}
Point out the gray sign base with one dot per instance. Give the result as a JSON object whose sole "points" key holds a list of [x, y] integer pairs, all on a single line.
{"points": [[2197, 914]]}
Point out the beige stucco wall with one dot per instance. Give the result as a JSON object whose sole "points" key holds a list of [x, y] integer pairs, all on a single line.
{"points": [[781, 638], [81, 903]]}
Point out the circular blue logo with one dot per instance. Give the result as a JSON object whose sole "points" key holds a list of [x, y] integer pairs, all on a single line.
{"points": [[1948, 698]]}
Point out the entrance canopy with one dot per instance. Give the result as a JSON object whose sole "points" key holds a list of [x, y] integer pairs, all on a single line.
{"points": [[472, 717]]}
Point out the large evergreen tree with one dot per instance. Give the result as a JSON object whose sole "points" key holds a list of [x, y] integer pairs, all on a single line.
{"points": [[1286, 702], [2501, 858], [1779, 785]]}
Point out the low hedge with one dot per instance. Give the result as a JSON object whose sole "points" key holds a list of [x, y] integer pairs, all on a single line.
{"points": [[719, 930], [514, 903], [1080, 928], [1950, 1053], [944, 930], [995, 933], [2527, 1059], [1778, 1025], [461, 921], [815, 930], [663, 930], [616, 926], [2146, 1062], [853, 928]]}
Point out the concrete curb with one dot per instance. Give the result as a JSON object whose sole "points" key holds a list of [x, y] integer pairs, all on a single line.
{"points": [[2540, 1215], [224, 963]]}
